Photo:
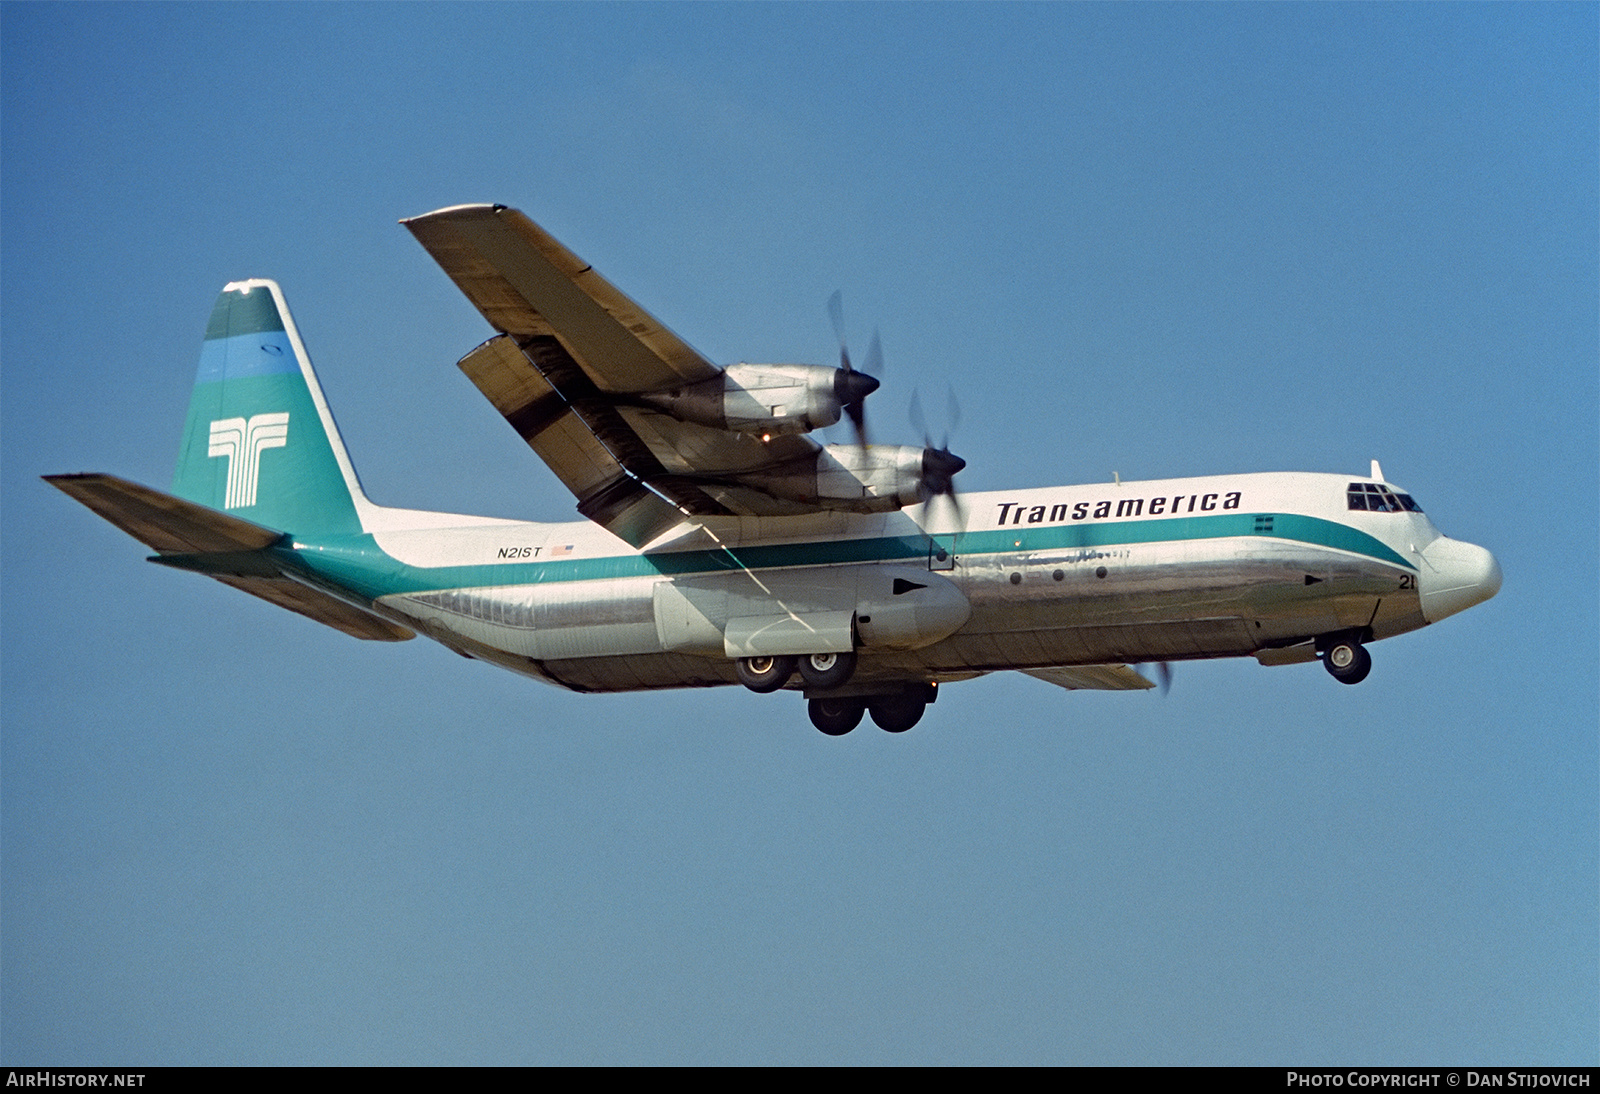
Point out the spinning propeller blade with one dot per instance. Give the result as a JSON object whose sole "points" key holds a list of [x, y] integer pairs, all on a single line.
{"points": [[1163, 678], [939, 465], [850, 387]]}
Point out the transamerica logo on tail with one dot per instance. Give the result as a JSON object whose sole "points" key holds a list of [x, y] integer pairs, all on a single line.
{"points": [[242, 442]]}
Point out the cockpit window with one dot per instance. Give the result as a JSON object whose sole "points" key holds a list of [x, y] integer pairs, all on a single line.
{"points": [[1380, 499]]}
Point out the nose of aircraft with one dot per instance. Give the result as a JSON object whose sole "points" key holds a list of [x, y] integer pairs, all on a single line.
{"points": [[1454, 576]]}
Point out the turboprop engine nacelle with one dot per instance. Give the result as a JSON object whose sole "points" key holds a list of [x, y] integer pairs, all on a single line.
{"points": [[871, 479], [767, 399]]}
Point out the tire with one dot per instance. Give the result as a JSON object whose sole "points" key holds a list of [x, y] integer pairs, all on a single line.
{"points": [[764, 674], [897, 713], [835, 717], [1348, 662], [823, 671]]}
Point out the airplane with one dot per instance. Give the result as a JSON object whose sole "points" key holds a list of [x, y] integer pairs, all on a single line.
{"points": [[722, 544]]}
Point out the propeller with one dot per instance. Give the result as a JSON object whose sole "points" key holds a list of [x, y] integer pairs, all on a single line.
{"points": [[850, 387], [939, 465], [1163, 675]]}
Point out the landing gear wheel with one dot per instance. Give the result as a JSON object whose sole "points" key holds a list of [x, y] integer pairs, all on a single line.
{"points": [[835, 717], [1348, 662], [897, 713], [764, 674], [822, 671]]}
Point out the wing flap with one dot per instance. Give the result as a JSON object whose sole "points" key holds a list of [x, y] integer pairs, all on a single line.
{"points": [[572, 440], [541, 416], [1092, 677]]}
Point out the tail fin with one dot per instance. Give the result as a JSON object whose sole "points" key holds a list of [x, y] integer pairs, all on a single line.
{"points": [[259, 441]]}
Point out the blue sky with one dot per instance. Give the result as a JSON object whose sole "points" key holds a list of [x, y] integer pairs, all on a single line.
{"points": [[1149, 240]]}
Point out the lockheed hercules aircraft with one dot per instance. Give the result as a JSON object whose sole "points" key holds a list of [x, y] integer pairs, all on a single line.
{"points": [[723, 545]]}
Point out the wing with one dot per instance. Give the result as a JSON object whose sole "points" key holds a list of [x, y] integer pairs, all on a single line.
{"points": [[634, 470], [586, 377], [1092, 677]]}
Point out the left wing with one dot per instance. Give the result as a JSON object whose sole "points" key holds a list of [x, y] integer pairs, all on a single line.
{"points": [[581, 441], [638, 425], [1092, 678], [528, 285]]}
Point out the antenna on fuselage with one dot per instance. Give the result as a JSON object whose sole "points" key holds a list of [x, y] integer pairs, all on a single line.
{"points": [[1377, 472]]}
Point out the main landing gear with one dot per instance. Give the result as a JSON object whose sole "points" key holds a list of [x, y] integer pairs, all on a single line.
{"points": [[1347, 660], [819, 671], [895, 713], [764, 674], [835, 715], [825, 671]]}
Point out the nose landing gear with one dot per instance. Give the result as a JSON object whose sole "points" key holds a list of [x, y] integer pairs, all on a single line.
{"points": [[1347, 661]]}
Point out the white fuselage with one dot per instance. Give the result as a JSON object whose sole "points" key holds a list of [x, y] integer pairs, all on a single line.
{"points": [[1120, 572]]}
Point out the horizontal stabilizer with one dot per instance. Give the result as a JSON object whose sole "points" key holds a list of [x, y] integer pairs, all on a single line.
{"points": [[318, 605], [161, 521], [1092, 678], [192, 537]]}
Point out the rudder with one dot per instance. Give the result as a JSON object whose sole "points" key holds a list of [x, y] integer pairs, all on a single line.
{"points": [[259, 440]]}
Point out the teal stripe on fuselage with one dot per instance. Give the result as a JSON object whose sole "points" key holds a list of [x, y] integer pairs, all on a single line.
{"points": [[358, 564]]}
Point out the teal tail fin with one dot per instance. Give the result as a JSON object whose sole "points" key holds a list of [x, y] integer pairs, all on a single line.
{"points": [[259, 441]]}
